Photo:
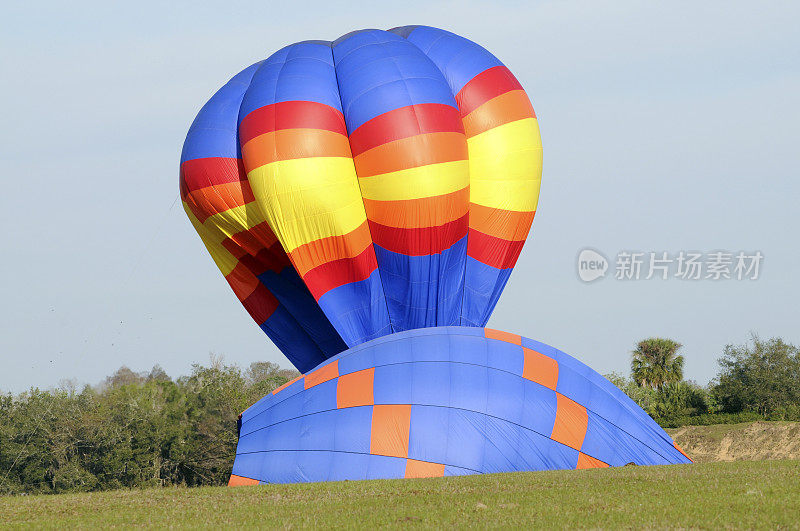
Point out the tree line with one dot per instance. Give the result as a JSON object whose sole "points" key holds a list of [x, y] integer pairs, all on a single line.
{"points": [[757, 380], [146, 429], [132, 430]]}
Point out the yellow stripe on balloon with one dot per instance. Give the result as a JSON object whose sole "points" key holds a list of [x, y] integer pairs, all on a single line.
{"points": [[308, 199], [235, 220], [505, 166], [212, 238], [416, 183]]}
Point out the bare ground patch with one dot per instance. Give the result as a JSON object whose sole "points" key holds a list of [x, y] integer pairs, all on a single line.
{"points": [[750, 441]]}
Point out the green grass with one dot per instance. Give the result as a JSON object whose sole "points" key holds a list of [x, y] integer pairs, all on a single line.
{"points": [[711, 495]]}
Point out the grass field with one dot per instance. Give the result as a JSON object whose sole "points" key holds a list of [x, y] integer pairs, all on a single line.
{"points": [[742, 494]]}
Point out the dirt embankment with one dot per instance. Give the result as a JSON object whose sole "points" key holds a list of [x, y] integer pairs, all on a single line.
{"points": [[736, 442]]}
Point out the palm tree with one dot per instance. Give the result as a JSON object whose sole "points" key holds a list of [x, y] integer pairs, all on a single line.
{"points": [[656, 363]]}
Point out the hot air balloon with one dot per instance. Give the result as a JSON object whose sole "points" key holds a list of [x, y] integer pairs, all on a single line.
{"points": [[367, 199]]}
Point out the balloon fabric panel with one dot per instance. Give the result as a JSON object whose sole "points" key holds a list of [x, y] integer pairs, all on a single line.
{"points": [[505, 157], [220, 204], [298, 160], [411, 159]]}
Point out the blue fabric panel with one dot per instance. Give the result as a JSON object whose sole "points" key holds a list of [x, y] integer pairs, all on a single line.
{"points": [[381, 467], [450, 470], [430, 383], [348, 466], [357, 310], [469, 386], [427, 347], [428, 437], [248, 465], [465, 439], [539, 408], [362, 357], [353, 429], [282, 328], [214, 132], [316, 431], [298, 72], [503, 397], [458, 58], [468, 349], [280, 467], [393, 383], [314, 466], [541, 453], [423, 291], [483, 285], [380, 72], [302, 306]]}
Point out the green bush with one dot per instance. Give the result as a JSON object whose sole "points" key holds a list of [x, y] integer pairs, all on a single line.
{"points": [[762, 376], [676, 399], [133, 430]]}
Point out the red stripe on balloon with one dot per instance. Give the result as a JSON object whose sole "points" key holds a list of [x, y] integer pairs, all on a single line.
{"points": [[271, 259], [419, 241], [260, 304], [201, 173], [335, 273], [405, 122], [291, 115], [494, 252], [489, 84]]}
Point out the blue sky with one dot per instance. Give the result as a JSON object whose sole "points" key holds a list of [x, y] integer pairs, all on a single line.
{"points": [[666, 127]]}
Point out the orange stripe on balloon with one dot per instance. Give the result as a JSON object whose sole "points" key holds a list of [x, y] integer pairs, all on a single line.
{"points": [[242, 281], [508, 337], [318, 252], [355, 389], [681, 451], [571, 422], [489, 84], [509, 107], [333, 274], [419, 241], [495, 252], [422, 212], [287, 144], [539, 368], [505, 224], [240, 481], [391, 425], [411, 152], [322, 375], [423, 469], [218, 198], [587, 461]]}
